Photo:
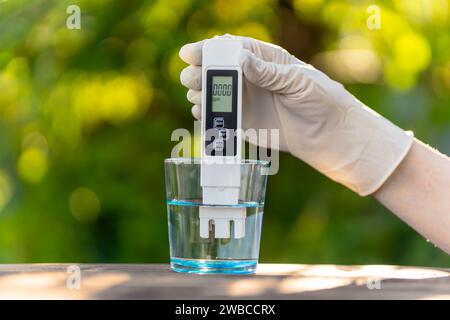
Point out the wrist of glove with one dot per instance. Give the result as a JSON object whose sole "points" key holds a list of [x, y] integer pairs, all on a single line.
{"points": [[319, 121]]}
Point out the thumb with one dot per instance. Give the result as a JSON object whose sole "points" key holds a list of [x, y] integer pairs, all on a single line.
{"points": [[279, 78]]}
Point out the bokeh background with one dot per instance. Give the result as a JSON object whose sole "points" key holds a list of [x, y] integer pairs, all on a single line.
{"points": [[86, 117]]}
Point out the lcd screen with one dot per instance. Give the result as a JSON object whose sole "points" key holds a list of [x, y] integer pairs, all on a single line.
{"points": [[222, 90]]}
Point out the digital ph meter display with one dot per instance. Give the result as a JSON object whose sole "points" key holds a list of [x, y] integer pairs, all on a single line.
{"points": [[222, 93]]}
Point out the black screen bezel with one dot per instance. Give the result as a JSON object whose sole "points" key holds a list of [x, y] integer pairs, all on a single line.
{"points": [[230, 118]]}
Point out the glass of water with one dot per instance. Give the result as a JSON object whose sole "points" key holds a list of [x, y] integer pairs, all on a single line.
{"points": [[193, 254]]}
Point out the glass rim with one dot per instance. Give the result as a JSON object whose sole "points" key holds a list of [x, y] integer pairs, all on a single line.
{"points": [[198, 160]]}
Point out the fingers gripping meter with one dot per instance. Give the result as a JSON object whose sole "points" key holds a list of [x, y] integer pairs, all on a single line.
{"points": [[221, 139]]}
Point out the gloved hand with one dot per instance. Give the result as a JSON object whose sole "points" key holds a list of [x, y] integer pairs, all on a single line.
{"points": [[319, 121]]}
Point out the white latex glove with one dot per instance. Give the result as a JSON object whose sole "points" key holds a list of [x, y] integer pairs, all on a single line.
{"points": [[319, 121]]}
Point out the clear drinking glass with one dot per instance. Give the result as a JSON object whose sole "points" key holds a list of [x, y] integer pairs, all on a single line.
{"points": [[191, 253]]}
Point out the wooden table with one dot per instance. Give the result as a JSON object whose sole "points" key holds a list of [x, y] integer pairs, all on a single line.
{"points": [[272, 281]]}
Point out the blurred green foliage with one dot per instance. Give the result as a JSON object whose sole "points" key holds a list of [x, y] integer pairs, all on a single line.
{"points": [[86, 117]]}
